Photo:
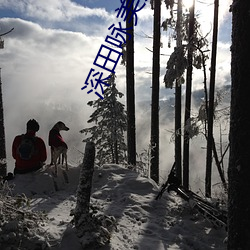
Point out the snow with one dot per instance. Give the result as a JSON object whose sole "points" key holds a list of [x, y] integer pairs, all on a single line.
{"points": [[142, 222]]}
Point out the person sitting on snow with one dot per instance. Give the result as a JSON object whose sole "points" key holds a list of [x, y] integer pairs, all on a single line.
{"points": [[29, 150]]}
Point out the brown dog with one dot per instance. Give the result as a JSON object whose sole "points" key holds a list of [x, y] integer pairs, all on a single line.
{"points": [[58, 146]]}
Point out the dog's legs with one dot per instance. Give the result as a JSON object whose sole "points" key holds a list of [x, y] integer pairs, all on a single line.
{"points": [[55, 158], [56, 170], [66, 161], [51, 156], [57, 152], [59, 159], [64, 172], [63, 157]]}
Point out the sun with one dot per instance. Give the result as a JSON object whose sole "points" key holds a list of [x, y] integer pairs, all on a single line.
{"points": [[188, 3]]}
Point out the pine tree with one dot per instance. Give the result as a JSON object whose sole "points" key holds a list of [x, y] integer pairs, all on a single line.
{"points": [[154, 167], [178, 94], [210, 139], [3, 161], [110, 120], [130, 85], [3, 164], [238, 170], [189, 53], [191, 26]]}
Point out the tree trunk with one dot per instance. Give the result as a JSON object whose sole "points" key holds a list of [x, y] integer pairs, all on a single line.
{"points": [[81, 215], [239, 159], [188, 98], [211, 102], [3, 161], [130, 82], [154, 168], [218, 164], [116, 152], [93, 231], [178, 100]]}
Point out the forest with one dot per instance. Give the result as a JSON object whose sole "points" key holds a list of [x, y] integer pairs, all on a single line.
{"points": [[217, 116]]}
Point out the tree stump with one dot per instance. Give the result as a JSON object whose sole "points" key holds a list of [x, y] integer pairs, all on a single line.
{"points": [[84, 187], [92, 227]]}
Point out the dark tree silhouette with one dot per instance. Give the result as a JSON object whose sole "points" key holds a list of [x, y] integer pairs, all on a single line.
{"points": [[93, 231], [188, 96], [83, 192], [3, 162], [210, 139], [239, 160], [178, 155], [110, 124], [154, 168], [130, 82]]}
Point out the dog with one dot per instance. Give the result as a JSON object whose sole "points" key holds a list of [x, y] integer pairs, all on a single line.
{"points": [[58, 146]]}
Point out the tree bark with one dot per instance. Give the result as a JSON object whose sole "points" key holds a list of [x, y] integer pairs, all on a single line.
{"points": [[188, 97], [116, 152], [3, 161], [218, 164], [93, 229], [178, 158], [154, 168], [211, 103], [239, 159], [130, 82], [83, 192]]}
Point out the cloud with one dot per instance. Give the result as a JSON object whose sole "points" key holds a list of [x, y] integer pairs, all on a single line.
{"points": [[205, 14], [56, 10], [43, 71], [46, 61], [46, 53]]}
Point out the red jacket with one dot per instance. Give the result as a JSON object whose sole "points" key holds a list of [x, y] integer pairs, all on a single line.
{"points": [[37, 159], [55, 139]]}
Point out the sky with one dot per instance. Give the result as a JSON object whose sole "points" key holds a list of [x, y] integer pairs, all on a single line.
{"points": [[47, 57], [122, 198]]}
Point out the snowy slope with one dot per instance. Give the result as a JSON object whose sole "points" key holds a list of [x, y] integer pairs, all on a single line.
{"points": [[141, 221]]}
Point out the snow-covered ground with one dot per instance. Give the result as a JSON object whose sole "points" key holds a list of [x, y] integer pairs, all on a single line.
{"points": [[141, 221]]}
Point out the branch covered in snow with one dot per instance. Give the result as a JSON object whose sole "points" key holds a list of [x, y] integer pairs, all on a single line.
{"points": [[20, 228]]}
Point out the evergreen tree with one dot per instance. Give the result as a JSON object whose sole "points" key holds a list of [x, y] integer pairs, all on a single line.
{"points": [[188, 53], [130, 85], [178, 93], [110, 120], [154, 167], [239, 170], [3, 161], [210, 117], [187, 116], [3, 164]]}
